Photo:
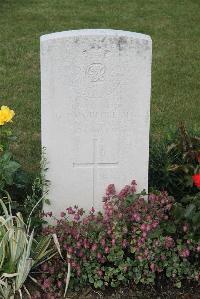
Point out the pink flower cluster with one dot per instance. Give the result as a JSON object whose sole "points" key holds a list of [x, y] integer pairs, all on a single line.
{"points": [[184, 252], [169, 242], [124, 228]]}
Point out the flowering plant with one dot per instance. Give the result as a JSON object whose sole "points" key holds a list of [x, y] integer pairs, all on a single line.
{"points": [[6, 116], [196, 180], [187, 151], [187, 216], [8, 166], [132, 240]]}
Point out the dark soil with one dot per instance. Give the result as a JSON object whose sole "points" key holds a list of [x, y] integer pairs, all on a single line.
{"points": [[188, 291], [141, 293]]}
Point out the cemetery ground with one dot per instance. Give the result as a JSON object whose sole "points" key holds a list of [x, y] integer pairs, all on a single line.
{"points": [[137, 247]]}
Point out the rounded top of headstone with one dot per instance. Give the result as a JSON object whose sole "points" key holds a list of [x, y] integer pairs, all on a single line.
{"points": [[95, 32]]}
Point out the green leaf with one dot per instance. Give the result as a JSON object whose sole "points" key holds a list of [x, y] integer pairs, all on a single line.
{"points": [[98, 284], [178, 284], [91, 280], [196, 218], [170, 228], [189, 210], [155, 233], [121, 277]]}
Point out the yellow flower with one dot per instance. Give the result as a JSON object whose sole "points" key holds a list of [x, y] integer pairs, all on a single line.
{"points": [[6, 115], [1, 120]]}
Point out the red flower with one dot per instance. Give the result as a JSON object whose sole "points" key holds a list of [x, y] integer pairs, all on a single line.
{"points": [[196, 180]]}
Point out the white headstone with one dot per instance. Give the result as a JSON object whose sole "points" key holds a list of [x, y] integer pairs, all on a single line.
{"points": [[95, 113]]}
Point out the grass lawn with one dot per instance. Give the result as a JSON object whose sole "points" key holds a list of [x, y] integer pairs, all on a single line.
{"points": [[174, 26]]}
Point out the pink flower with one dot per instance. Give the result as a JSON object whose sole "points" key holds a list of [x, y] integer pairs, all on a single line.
{"points": [[107, 249], [185, 227], [103, 242], [124, 243], [103, 260], [65, 246], [155, 224], [169, 206], [94, 247], [62, 214], [73, 264], [109, 231], [59, 284], [51, 270], [99, 255], [169, 242], [152, 267], [139, 243], [86, 244], [184, 253], [76, 217], [44, 267], [148, 227], [47, 283], [113, 242], [136, 217], [85, 221], [124, 192], [110, 191], [78, 244], [139, 257], [70, 210], [143, 227], [149, 218], [100, 273], [134, 183], [133, 186], [144, 234], [92, 210], [70, 250]]}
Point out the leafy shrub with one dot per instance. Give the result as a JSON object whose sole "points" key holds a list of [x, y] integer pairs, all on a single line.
{"points": [[159, 162], [26, 192], [8, 170], [187, 215], [8, 166], [20, 252], [173, 161], [132, 240], [13, 179]]}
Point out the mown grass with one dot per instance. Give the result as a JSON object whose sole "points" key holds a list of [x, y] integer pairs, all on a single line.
{"points": [[173, 25]]}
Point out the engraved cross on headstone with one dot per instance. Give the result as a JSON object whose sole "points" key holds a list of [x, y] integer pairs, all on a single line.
{"points": [[95, 165]]}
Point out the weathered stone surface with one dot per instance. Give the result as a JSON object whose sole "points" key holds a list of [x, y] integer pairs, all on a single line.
{"points": [[95, 113]]}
